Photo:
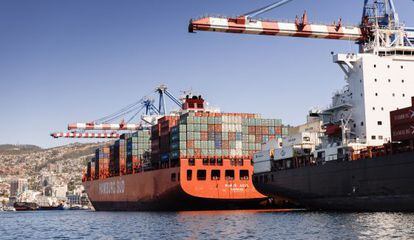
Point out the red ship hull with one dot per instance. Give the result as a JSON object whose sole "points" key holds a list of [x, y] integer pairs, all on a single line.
{"points": [[164, 190]]}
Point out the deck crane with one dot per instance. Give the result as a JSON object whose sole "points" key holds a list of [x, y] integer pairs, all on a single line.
{"points": [[378, 15], [150, 113]]}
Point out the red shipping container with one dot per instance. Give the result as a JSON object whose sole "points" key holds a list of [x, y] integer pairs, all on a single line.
{"points": [[217, 127], [402, 132], [403, 116], [278, 130], [204, 136], [122, 166], [197, 152]]}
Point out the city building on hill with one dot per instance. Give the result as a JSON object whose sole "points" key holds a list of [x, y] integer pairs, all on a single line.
{"points": [[18, 186]]}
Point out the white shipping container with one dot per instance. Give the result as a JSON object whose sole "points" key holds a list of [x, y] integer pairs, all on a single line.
{"points": [[262, 162], [226, 119], [225, 128], [284, 153], [261, 156], [239, 152], [300, 139]]}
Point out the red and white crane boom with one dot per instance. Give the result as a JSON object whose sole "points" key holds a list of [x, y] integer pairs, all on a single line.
{"points": [[84, 135], [105, 126], [299, 28]]}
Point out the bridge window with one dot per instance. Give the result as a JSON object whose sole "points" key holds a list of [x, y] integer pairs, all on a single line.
{"points": [[189, 175], [215, 174], [191, 161], [229, 174], [232, 162], [205, 161], [220, 162], [173, 177], [240, 161], [201, 175], [244, 174], [212, 161]]}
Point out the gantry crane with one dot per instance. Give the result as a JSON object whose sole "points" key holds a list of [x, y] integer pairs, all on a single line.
{"points": [[380, 24], [149, 117]]}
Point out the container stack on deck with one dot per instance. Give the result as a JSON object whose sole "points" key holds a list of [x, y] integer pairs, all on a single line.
{"points": [[160, 141], [102, 162], [136, 145], [222, 135], [195, 133]]}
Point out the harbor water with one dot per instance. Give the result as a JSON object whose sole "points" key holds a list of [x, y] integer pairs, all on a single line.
{"points": [[205, 225]]}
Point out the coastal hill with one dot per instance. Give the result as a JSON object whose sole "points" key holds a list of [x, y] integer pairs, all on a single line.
{"points": [[29, 161]]}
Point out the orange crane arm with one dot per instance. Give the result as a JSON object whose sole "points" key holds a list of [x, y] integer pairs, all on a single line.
{"points": [[301, 28]]}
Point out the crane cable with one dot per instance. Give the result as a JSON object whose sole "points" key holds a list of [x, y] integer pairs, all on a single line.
{"points": [[121, 112]]}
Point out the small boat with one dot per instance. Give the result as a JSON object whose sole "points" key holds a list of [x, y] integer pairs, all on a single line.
{"points": [[25, 206], [58, 207]]}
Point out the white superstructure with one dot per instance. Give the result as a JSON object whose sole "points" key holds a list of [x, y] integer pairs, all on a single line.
{"points": [[377, 82]]}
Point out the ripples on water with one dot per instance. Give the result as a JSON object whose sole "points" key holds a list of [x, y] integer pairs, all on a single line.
{"points": [[205, 225]]}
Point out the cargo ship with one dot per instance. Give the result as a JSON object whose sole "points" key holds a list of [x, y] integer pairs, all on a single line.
{"points": [[361, 157], [194, 159]]}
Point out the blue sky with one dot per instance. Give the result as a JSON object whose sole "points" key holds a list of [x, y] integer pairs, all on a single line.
{"points": [[69, 61]]}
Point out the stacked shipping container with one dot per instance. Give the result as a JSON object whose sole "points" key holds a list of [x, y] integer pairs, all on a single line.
{"points": [[222, 135], [102, 162], [402, 124], [160, 140], [136, 146]]}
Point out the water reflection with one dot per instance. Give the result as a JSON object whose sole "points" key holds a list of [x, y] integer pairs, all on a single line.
{"points": [[252, 224]]}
